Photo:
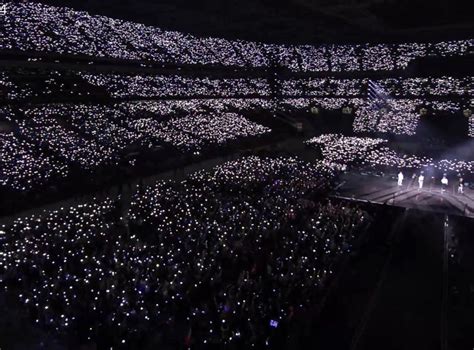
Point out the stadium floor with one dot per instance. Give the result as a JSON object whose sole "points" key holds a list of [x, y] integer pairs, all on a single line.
{"points": [[391, 296]]}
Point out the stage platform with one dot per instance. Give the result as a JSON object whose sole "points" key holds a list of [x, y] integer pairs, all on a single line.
{"points": [[384, 190]]}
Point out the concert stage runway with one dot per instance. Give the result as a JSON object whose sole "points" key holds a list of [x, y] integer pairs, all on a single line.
{"points": [[384, 190]]}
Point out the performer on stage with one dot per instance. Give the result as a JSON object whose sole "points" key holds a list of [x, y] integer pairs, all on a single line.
{"points": [[444, 183], [400, 178], [421, 178], [461, 186]]}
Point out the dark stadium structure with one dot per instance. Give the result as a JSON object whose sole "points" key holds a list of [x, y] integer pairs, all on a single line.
{"points": [[287, 174]]}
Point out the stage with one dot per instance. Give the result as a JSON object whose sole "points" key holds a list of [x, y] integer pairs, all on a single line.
{"points": [[384, 190]]}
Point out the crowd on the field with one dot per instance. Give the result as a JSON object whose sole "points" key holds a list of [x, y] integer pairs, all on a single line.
{"points": [[48, 132], [42, 143], [234, 256], [386, 158], [23, 166], [89, 136], [374, 153], [389, 116], [397, 116], [195, 131], [29, 26], [94, 135], [337, 148]]}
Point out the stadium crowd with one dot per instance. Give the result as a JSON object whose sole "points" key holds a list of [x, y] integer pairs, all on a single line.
{"points": [[177, 86], [395, 87], [36, 27], [236, 256], [23, 166], [42, 144], [48, 132], [196, 131], [373, 153], [31, 84], [399, 116], [52, 138]]}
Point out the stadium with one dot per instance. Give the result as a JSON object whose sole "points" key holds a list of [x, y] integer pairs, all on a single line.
{"points": [[236, 175]]}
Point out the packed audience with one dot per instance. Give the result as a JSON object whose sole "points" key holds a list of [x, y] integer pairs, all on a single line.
{"points": [[32, 26], [337, 148], [215, 129], [233, 257], [91, 136], [172, 107], [48, 132], [196, 131], [374, 153], [394, 87], [397, 111], [397, 116], [24, 167], [42, 144], [54, 84], [386, 158], [230, 257], [104, 124], [24, 84], [176, 86]]}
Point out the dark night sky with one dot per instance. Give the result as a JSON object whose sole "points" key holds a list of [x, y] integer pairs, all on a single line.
{"points": [[295, 21]]}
